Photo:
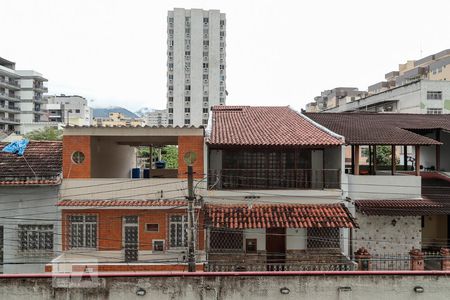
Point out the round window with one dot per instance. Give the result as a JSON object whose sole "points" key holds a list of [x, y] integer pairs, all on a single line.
{"points": [[78, 157]]}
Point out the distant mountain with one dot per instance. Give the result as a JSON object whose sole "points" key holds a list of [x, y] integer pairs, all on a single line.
{"points": [[104, 112], [144, 111]]}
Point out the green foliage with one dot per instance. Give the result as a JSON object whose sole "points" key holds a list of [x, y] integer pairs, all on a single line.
{"points": [[383, 155], [168, 153], [45, 134]]}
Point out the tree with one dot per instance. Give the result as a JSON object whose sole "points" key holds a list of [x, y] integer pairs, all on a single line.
{"points": [[45, 134], [383, 155], [169, 154]]}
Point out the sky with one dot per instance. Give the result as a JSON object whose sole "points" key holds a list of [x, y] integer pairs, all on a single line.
{"points": [[113, 52]]}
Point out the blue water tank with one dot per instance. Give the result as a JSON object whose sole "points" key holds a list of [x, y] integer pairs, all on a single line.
{"points": [[136, 173], [160, 164]]}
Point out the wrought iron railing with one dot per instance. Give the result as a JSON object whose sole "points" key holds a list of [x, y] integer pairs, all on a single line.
{"points": [[274, 179], [278, 267]]}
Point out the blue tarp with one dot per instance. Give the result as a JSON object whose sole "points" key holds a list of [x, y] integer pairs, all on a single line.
{"points": [[17, 147]]}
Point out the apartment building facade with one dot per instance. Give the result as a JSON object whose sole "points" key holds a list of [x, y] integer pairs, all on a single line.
{"points": [[9, 96], [196, 65], [406, 90], [157, 117], [21, 97], [72, 110]]}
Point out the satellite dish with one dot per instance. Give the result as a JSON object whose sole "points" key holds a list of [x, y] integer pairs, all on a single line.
{"points": [[190, 158]]}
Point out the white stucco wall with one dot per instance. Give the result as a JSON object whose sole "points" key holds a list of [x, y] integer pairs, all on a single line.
{"points": [[27, 205], [296, 238], [379, 236], [111, 160], [259, 235]]}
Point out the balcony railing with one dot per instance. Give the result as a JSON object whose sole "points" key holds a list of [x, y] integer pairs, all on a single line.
{"points": [[13, 97], [12, 120], [7, 107], [274, 179], [274, 267], [10, 82]]}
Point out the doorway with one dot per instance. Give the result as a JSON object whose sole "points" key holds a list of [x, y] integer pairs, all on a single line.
{"points": [[275, 248]]}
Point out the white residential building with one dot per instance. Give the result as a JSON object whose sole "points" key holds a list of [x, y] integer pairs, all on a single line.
{"points": [[157, 117], [21, 97], [72, 110], [31, 96], [196, 66], [9, 96], [419, 97]]}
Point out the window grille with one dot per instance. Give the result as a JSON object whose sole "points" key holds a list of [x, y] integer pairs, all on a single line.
{"points": [[35, 237], [83, 231], [178, 231]]}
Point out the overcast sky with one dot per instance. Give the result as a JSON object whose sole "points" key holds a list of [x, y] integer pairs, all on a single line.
{"points": [[278, 52]]}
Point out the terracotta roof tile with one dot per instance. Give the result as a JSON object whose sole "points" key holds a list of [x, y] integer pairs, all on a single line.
{"points": [[40, 164], [265, 126], [382, 129], [400, 207], [279, 216], [121, 203]]}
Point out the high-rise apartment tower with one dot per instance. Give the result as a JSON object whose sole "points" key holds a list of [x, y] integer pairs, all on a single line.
{"points": [[196, 65]]}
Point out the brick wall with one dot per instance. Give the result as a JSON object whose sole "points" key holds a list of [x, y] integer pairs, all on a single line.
{"points": [[110, 227], [194, 144], [70, 145]]}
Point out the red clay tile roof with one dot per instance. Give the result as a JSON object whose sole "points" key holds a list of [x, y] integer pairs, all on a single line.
{"points": [[382, 129], [400, 207], [40, 164], [265, 126], [121, 203], [279, 216]]}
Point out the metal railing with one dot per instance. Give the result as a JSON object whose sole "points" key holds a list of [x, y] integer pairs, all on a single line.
{"points": [[274, 179], [9, 107], [432, 260], [10, 82], [9, 96], [279, 267]]}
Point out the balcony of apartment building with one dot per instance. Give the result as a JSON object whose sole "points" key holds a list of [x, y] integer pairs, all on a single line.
{"points": [[9, 83], [9, 108], [39, 86], [10, 96], [128, 162]]}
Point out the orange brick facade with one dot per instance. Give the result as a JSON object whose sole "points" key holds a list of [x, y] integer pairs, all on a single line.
{"points": [[72, 144], [109, 227], [194, 144]]}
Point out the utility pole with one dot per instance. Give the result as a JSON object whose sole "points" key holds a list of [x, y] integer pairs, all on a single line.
{"points": [[191, 229]]}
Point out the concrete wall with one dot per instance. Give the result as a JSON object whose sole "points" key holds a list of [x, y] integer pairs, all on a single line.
{"points": [[111, 160], [296, 238], [27, 205], [381, 186], [338, 286], [379, 236]]}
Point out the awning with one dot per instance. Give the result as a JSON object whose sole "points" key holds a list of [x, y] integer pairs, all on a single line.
{"points": [[279, 216]]}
